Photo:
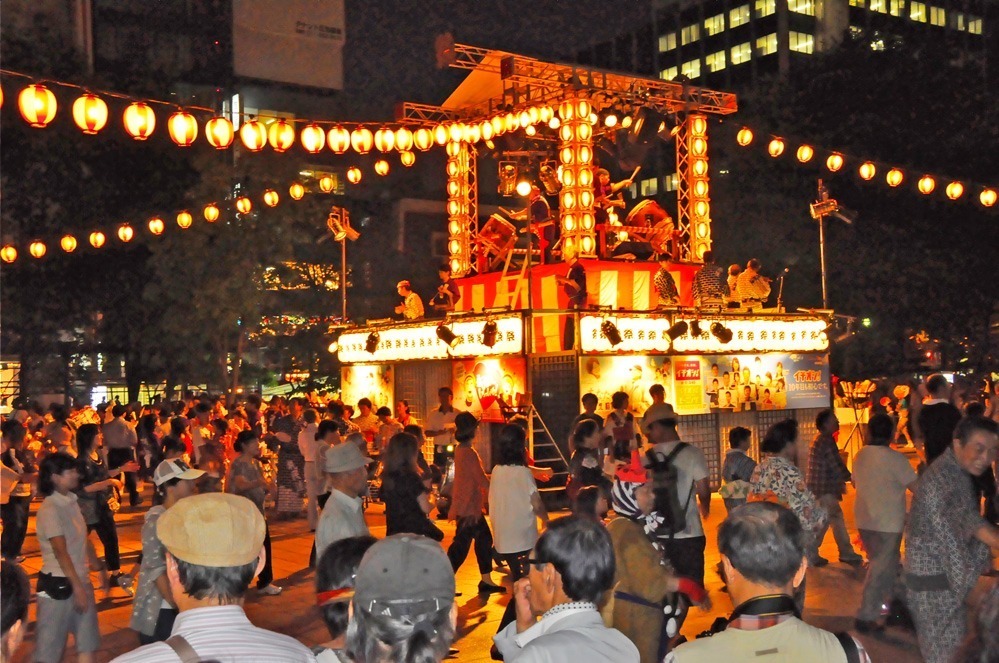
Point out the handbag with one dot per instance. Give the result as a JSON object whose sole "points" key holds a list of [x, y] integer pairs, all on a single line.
{"points": [[55, 587]]}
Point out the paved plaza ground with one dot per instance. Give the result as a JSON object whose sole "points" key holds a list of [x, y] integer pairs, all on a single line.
{"points": [[833, 593]]}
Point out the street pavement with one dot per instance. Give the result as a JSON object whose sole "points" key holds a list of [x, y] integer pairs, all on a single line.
{"points": [[833, 592]]}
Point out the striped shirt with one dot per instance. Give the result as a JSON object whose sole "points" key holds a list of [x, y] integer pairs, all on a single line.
{"points": [[223, 634]]}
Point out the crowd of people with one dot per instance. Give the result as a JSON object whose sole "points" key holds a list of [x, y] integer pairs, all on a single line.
{"points": [[584, 587]]}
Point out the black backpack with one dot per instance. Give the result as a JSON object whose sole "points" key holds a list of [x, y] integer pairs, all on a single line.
{"points": [[666, 489]]}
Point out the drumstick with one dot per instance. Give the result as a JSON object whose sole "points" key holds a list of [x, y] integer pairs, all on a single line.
{"points": [[634, 174]]}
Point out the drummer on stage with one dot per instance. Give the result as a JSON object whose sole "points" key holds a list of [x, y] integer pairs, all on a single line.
{"points": [[447, 292], [538, 213], [603, 189]]}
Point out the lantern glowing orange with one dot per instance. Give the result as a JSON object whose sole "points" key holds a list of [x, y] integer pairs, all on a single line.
{"points": [[156, 225], [125, 233], [219, 133], [183, 128], [338, 139], [353, 174], [37, 249], [805, 153], [184, 219], [423, 139], [776, 147], [894, 177], [927, 184], [384, 139], [211, 212], [441, 134], [8, 253], [834, 162], [244, 205], [867, 170], [361, 140], [744, 137], [253, 134], [68, 243], [271, 198], [296, 191], [281, 135], [90, 113], [407, 158], [326, 183], [988, 197], [955, 190], [313, 138], [139, 120], [1, 97], [382, 167], [403, 139], [37, 105], [97, 239]]}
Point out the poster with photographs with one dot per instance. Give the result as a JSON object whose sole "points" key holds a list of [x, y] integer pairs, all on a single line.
{"points": [[484, 386], [773, 381], [372, 381], [634, 375]]}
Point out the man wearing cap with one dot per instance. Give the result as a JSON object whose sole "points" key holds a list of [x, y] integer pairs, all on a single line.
{"points": [[214, 546], [343, 515], [403, 604], [684, 549], [412, 306]]}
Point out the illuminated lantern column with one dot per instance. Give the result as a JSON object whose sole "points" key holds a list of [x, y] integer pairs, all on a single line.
{"points": [[576, 158], [693, 200], [462, 206]]}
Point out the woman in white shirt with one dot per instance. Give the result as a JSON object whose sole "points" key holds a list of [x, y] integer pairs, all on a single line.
{"points": [[514, 506]]}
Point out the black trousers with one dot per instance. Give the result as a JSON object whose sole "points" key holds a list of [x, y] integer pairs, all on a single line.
{"points": [[518, 569], [15, 525], [266, 576], [467, 531], [117, 458], [686, 556], [164, 627], [108, 534]]}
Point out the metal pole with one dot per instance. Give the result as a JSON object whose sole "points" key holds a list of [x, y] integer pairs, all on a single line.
{"points": [[822, 259], [343, 279]]}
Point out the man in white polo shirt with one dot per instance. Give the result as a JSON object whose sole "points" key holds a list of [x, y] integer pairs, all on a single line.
{"points": [[343, 515]]}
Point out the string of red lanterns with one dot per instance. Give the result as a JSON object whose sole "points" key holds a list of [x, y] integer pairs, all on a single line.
{"points": [[868, 170], [211, 212]]}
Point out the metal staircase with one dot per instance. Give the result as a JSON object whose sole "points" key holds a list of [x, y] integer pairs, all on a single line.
{"points": [[546, 453]]}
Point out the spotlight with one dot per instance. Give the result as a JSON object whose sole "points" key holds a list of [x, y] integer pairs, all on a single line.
{"points": [[523, 188], [548, 174], [507, 178], [695, 328], [371, 344], [446, 335], [610, 332], [721, 332], [646, 125], [489, 333], [677, 330]]}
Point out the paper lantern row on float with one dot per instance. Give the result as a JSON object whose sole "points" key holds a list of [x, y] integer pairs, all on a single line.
{"points": [[867, 170]]}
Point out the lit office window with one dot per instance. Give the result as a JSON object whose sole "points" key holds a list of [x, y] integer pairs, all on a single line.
{"points": [[649, 187], [857, 3], [738, 16], [897, 7], [938, 16], [667, 42], [715, 61], [802, 42], [917, 11], [806, 7], [974, 25], [691, 69], [765, 8], [670, 182], [714, 25], [742, 53], [879, 6], [959, 21], [689, 34], [669, 74], [767, 45]]}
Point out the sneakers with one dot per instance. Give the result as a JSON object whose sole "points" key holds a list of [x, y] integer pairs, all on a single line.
{"points": [[270, 590], [486, 588]]}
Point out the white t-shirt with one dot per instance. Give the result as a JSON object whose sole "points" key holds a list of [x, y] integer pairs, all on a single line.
{"points": [[691, 467], [515, 525], [59, 515], [881, 475]]}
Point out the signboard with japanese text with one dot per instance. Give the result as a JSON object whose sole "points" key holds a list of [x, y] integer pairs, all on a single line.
{"points": [[420, 341], [372, 381], [485, 386]]}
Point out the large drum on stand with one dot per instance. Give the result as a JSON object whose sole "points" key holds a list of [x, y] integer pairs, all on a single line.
{"points": [[649, 214]]}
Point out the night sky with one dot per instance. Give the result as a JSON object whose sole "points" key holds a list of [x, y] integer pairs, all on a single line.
{"points": [[389, 54]]}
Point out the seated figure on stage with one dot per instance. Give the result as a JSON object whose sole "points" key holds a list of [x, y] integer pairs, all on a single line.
{"points": [[538, 215], [709, 283], [754, 288], [447, 292], [412, 306], [665, 285]]}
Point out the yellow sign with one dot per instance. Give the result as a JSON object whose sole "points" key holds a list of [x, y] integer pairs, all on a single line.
{"points": [[644, 334], [420, 341]]}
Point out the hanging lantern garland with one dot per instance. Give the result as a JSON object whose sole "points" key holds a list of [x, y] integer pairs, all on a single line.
{"points": [[868, 170]]}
